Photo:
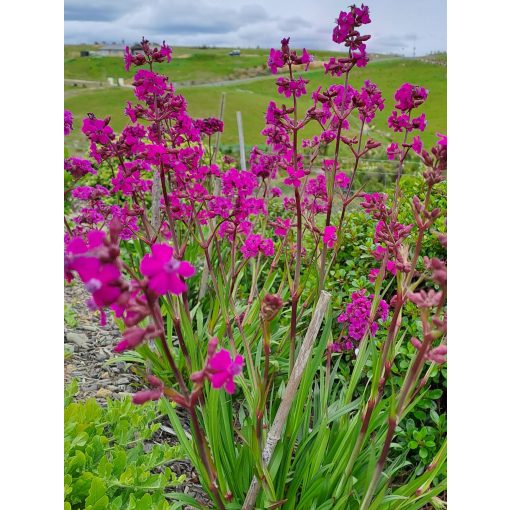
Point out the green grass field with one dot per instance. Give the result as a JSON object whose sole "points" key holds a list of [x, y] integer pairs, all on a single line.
{"points": [[249, 97]]}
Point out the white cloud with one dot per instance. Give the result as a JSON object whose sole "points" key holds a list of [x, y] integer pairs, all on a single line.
{"points": [[397, 25]]}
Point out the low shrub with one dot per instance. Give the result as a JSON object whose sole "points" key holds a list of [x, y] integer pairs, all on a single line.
{"points": [[109, 460]]}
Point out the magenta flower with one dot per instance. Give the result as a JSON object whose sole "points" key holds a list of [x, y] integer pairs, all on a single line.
{"points": [[103, 283], [128, 58], [254, 244], [222, 369], [393, 151], [68, 122], [147, 83], [442, 139], [275, 60], [342, 180], [410, 96], [375, 204], [417, 145], [305, 58], [424, 299], [398, 122], [294, 177], [329, 236], [288, 87], [391, 267], [165, 52], [209, 126], [165, 273], [281, 226], [78, 167], [97, 130], [419, 122], [138, 59]]}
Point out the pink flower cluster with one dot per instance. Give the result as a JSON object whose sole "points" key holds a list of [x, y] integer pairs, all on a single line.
{"points": [[209, 126], [289, 87], [97, 130], [255, 244], [280, 58], [329, 237], [368, 100], [345, 32], [408, 97], [357, 315], [95, 260], [148, 56], [78, 167]]}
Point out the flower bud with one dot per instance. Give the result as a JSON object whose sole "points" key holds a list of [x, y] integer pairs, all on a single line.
{"points": [[416, 343], [212, 346], [144, 396], [271, 305], [115, 229], [154, 381]]}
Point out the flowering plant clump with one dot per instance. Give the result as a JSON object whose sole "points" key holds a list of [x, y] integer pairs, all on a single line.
{"points": [[218, 278]]}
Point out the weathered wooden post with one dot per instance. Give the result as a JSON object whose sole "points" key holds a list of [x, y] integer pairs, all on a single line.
{"points": [[241, 141]]}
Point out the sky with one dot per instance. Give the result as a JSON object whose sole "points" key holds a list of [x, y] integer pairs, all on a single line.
{"points": [[397, 26]]}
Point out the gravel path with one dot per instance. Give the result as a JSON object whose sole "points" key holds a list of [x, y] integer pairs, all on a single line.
{"points": [[91, 355]]}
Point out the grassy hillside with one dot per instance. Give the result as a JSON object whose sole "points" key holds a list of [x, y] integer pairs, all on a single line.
{"points": [[188, 64], [251, 97]]}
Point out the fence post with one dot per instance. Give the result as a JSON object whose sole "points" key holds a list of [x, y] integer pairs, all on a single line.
{"points": [[241, 141]]}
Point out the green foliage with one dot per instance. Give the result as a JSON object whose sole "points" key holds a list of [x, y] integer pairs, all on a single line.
{"points": [[108, 464], [70, 317]]}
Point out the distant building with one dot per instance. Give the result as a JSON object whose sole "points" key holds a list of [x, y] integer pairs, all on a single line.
{"points": [[111, 50], [117, 50], [138, 47]]}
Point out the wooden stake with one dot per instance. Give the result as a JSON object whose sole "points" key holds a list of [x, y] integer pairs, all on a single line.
{"points": [[290, 392], [241, 141]]}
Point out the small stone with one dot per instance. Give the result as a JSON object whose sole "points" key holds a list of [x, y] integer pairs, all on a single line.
{"points": [[123, 380], [78, 339], [69, 348], [101, 356], [105, 375], [88, 328], [103, 393], [70, 368]]}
